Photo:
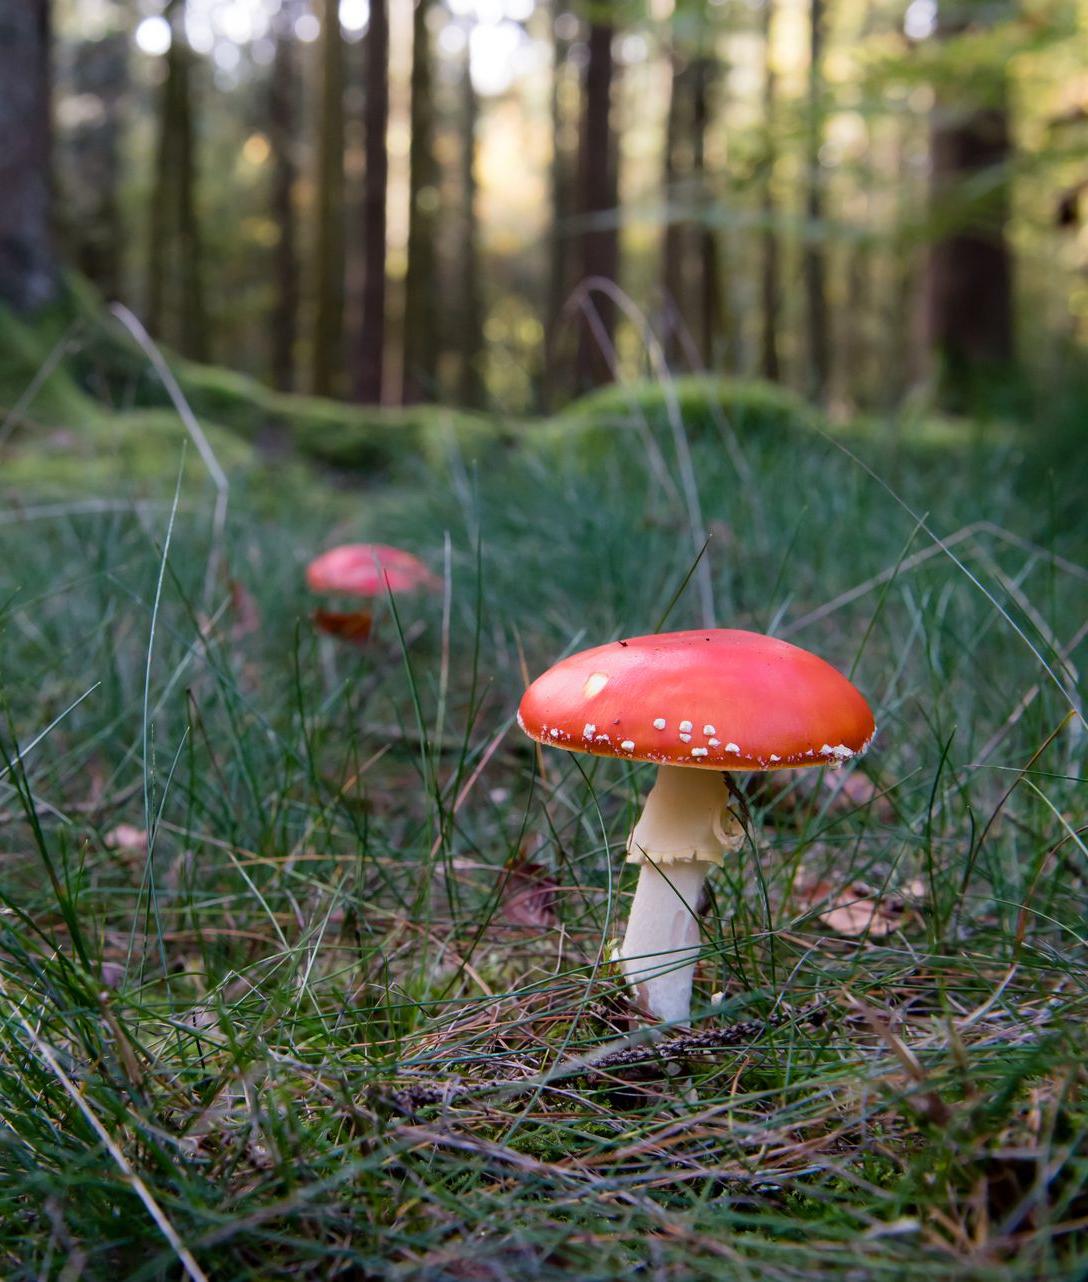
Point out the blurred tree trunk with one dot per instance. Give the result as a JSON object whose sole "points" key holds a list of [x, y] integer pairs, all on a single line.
{"points": [[853, 377], [560, 273], [27, 268], [471, 390], [375, 124], [421, 288], [969, 313], [817, 318], [598, 183], [175, 251], [328, 340], [283, 122], [674, 240], [89, 163], [711, 329], [769, 257]]}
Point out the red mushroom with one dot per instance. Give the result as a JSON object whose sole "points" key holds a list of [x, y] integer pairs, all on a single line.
{"points": [[695, 704], [367, 570]]}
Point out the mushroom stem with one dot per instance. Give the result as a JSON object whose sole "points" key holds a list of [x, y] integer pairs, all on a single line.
{"points": [[661, 945], [684, 830]]}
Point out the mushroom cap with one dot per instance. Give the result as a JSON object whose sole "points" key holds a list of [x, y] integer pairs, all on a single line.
{"points": [[716, 699], [368, 569]]}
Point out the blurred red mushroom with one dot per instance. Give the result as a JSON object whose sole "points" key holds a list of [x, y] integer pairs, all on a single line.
{"points": [[367, 570]]}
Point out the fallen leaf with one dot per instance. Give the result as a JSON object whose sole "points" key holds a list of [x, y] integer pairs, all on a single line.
{"points": [[853, 790], [127, 838], [528, 896], [852, 910], [838, 792], [353, 626], [855, 915], [247, 614]]}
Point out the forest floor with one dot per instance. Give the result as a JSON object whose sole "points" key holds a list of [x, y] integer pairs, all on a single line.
{"points": [[304, 948]]}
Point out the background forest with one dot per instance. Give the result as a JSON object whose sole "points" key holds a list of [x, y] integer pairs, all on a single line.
{"points": [[850, 196], [599, 320]]}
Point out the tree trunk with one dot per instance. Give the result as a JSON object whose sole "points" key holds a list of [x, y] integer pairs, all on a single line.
{"points": [[283, 120], [711, 313], [598, 204], [372, 340], [770, 273], [472, 391], [27, 268], [328, 342], [969, 310], [89, 163], [193, 339], [674, 239], [175, 307], [816, 312], [557, 364], [421, 289]]}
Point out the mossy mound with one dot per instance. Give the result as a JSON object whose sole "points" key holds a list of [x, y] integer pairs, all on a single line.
{"points": [[617, 417], [102, 366], [332, 433]]}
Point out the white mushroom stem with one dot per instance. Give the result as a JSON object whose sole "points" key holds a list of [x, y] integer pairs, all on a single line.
{"points": [[685, 829]]}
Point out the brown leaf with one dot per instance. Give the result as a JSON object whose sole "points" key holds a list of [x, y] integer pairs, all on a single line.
{"points": [[127, 838], [528, 897], [855, 916], [849, 790], [353, 626], [854, 790], [247, 614], [852, 910]]}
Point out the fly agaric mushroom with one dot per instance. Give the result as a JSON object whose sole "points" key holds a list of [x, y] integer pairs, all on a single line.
{"points": [[364, 570], [696, 704]]}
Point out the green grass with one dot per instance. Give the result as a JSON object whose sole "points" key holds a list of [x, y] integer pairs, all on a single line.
{"points": [[307, 1018]]}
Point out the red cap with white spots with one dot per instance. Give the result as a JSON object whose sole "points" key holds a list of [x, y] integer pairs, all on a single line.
{"points": [[368, 569], [719, 699]]}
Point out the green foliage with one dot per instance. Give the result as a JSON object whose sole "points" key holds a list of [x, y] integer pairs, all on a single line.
{"points": [[24, 353], [104, 362], [307, 1016]]}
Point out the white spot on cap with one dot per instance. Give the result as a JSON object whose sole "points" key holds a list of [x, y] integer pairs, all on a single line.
{"points": [[686, 737], [732, 747], [699, 752], [628, 745], [685, 725], [708, 730], [775, 757], [595, 683], [554, 732], [659, 723], [840, 750], [714, 742], [602, 738], [589, 730]]}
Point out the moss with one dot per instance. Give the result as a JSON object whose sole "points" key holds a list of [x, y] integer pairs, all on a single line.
{"points": [[143, 448], [24, 354], [599, 423], [335, 434]]}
